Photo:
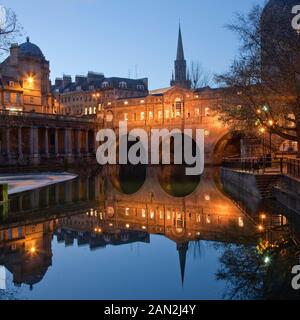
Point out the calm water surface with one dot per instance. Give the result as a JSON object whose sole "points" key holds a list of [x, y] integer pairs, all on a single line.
{"points": [[146, 233]]}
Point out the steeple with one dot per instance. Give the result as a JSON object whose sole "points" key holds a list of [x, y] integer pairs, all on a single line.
{"points": [[181, 79], [182, 251], [180, 52]]}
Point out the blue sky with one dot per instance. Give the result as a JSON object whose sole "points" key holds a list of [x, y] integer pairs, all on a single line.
{"points": [[122, 37]]}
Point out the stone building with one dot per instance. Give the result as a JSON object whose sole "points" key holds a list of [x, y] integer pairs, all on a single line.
{"points": [[24, 80], [86, 95]]}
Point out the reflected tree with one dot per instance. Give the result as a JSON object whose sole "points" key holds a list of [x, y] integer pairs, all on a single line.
{"points": [[262, 272]]}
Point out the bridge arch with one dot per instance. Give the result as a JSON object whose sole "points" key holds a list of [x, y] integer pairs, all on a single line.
{"points": [[228, 145]]}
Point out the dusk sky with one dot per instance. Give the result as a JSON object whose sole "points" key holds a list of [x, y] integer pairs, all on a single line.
{"points": [[129, 37]]}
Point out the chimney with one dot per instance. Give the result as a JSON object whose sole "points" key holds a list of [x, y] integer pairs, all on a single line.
{"points": [[59, 83], [80, 79], [14, 53], [66, 80]]}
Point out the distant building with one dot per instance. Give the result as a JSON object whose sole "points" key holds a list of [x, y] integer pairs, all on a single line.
{"points": [[86, 95], [24, 80]]}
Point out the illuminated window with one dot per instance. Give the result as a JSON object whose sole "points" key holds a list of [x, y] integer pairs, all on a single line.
{"points": [[91, 110], [241, 222], [161, 214], [152, 215], [95, 110], [150, 115], [105, 84], [160, 114], [197, 112], [178, 107], [168, 215], [142, 116], [207, 112], [143, 213], [167, 114], [125, 116], [86, 111]]}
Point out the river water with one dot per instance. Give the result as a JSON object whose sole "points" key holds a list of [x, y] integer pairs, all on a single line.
{"points": [[146, 233]]}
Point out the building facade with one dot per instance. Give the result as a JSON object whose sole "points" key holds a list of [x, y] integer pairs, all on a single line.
{"points": [[87, 94], [24, 80]]}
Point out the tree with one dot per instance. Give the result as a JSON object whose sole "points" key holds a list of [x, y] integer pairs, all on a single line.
{"points": [[200, 77], [10, 28], [262, 87]]}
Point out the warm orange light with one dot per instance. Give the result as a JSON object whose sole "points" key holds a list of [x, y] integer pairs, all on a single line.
{"points": [[262, 130], [271, 122], [263, 216], [260, 227], [127, 226], [32, 250], [30, 80]]}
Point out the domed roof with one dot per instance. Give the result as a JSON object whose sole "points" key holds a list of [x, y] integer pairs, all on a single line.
{"points": [[29, 49]]}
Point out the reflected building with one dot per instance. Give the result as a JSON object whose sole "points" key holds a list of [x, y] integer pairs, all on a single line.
{"points": [[94, 211]]}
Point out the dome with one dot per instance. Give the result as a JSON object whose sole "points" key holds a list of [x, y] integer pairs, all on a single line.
{"points": [[29, 49]]}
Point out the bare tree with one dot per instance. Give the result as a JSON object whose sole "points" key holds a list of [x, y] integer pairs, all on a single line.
{"points": [[262, 87], [199, 77], [10, 28]]}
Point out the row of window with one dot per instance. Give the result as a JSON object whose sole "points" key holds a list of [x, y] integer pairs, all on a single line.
{"points": [[10, 97], [168, 114], [105, 84]]}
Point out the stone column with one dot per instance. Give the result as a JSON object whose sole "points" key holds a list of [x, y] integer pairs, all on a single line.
{"points": [[96, 143], [47, 142], [56, 143], [68, 141], [87, 141], [20, 149], [34, 145], [78, 146], [7, 136]]}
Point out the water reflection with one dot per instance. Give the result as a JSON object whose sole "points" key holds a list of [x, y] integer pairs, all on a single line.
{"points": [[94, 211]]}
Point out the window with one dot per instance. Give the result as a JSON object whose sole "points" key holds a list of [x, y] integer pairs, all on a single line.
{"points": [[95, 110], [142, 116], [178, 107], [150, 115], [18, 98], [140, 87], [91, 110], [125, 116], [7, 96], [31, 100], [207, 112], [123, 85], [197, 112], [11, 83], [105, 84], [167, 114], [91, 88], [160, 114], [78, 88]]}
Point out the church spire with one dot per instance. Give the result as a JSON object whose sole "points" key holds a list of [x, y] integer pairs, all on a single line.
{"points": [[180, 51], [182, 251], [181, 79]]}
